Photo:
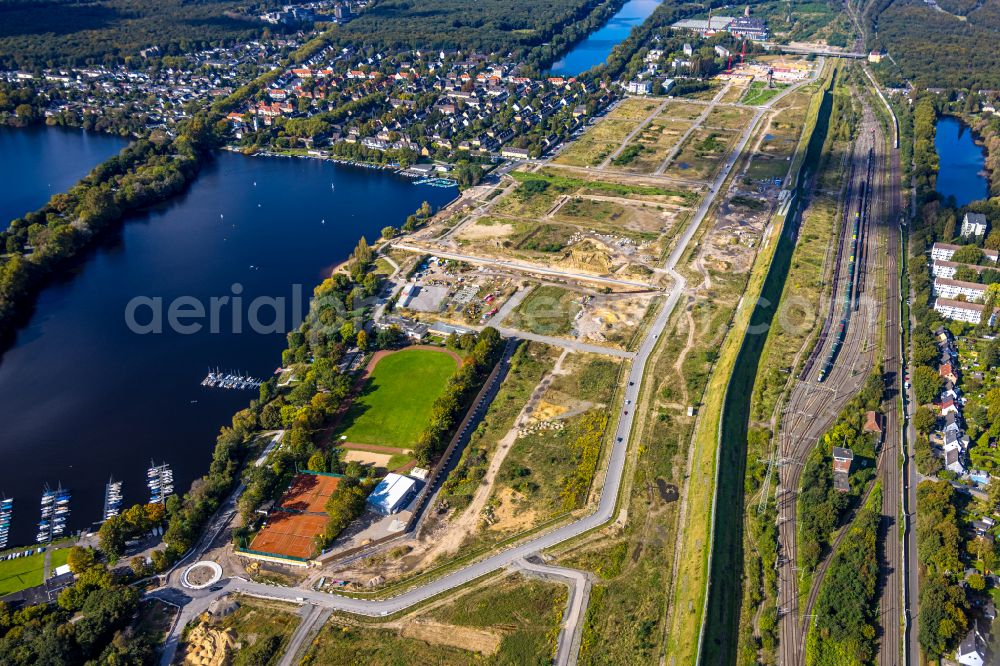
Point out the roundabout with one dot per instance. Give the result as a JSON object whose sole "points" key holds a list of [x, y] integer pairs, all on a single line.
{"points": [[201, 574]]}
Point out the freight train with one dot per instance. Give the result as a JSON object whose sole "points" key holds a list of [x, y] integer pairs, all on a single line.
{"points": [[846, 300]]}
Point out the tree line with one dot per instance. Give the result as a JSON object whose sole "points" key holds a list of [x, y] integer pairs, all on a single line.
{"points": [[146, 172]]}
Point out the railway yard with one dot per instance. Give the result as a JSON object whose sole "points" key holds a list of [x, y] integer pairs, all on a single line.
{"points": [[861, 334]]}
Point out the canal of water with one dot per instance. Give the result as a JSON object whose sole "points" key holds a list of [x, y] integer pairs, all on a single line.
{"points": [[725, 589], [595, 48], [86, 398]]}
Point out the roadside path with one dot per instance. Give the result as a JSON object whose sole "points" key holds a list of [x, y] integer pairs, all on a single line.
{"points": [[525, 267], [571, 632]]}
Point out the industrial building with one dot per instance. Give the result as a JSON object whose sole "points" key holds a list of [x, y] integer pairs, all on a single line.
{"points": [[392, 494], [749, 27]]}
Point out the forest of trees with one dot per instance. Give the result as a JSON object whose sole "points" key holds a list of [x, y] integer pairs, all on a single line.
{"points": [[49, 33], [517, 27], [942, 600], [101, 605], [969, 53], [846, 619]]}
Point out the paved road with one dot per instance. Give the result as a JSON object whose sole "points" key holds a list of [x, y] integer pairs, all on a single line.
{"points": [[831, 53], [525, 267], [313, 618], [565, 343], [609, 494], [571, 633]]}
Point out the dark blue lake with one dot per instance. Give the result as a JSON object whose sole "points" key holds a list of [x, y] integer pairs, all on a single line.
{"points": [[596, 47], [961, 162], [86, 398], [59, 157]]}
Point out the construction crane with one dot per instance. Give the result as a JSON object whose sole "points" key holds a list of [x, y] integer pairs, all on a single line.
{"points": [[743, 53]]}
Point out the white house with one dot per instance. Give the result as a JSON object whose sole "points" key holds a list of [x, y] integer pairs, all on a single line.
{"points": [[961, 310], [953, 458], [945, 251], [947, 288], [972, 650], [637, 87], [947, 269], [974, 224]]}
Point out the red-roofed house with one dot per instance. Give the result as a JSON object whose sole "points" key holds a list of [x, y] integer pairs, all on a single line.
{"points": [[947, 372], [873, 422], [948, 406]]}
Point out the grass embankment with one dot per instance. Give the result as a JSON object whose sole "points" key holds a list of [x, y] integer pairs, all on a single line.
{"points": [[597, 143], [513, 621], [691, 585], [566, 184], [785, 350], [395, 406]]}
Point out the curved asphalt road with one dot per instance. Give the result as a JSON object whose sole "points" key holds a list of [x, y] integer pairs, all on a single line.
{"points": [[609, 494]]}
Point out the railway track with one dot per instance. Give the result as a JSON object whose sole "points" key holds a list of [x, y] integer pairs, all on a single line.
{"points": [[814, 403], [891, 608]]}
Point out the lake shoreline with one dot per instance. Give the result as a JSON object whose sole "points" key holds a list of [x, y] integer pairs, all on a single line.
{"points": [[962, 172], [89, 398]]}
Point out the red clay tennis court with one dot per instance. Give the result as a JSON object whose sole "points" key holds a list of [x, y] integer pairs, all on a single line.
{"points": [[289, 534], [308, 493]]}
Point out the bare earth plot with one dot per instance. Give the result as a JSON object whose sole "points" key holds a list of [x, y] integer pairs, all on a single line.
{"points": [[580, 223], [646, 152], [702, 153]]}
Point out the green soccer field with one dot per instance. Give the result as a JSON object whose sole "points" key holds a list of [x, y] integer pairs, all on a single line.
{"points": [[395, 406]]}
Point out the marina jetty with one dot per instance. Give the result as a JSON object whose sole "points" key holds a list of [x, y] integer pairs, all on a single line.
{"points": [[230, 380]]}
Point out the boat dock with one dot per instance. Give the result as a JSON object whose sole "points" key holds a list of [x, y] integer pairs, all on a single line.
{"points": [[436, 182], [55, 513], [160, 480], [231, 380], [6, 513], [112, 498]]}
